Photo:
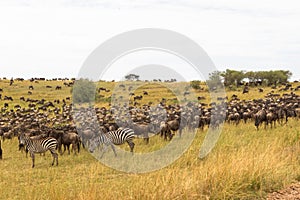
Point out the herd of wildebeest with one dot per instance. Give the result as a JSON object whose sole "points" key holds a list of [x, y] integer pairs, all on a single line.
{"points": [[74, 125]]}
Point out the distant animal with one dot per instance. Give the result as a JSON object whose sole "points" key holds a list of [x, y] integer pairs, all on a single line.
{"points": [[40, 146], [58, 88], [30, 87], [260, 117], [8, 98]]}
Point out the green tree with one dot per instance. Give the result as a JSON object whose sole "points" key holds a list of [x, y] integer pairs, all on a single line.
{"points": [[232, 77], [132, 77], [84, 91], [215, 80]]}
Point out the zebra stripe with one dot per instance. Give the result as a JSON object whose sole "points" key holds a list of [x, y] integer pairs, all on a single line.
{"points": [[40, 146], [112, 138], [101, 140]]}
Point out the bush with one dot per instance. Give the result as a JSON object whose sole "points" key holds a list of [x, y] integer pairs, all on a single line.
{"points": [[196, 85], [84, 91]]}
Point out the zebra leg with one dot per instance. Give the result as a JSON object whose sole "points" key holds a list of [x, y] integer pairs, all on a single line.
{"points": [[104, 149], [55, 157], [32, 156], [146, 138], [113, 148], [131, 145]]}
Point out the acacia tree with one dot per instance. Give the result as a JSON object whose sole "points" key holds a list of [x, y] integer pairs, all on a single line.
{"points": [[132, 77], [232, 77]]}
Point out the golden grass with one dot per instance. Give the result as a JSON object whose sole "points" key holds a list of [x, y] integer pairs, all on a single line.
{"points": [[245, 164]]}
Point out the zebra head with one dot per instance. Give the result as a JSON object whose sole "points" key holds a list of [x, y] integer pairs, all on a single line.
{"points": [[21, 139]]}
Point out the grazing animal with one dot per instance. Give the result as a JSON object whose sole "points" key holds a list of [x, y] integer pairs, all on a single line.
{"points": [[112, 138], [175, 125], [40, 146], [143, 130], [58, 88], [165, 131], [101, 140], [259, 117], [68, 139]]}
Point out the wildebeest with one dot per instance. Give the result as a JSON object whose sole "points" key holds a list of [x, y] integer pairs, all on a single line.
{"points": [[175, 125], [67, 139], [58, 88], [142, 129], [140, 97], [260, 117], [145, 93], [165, 131], [8, 98], [245, 90]]}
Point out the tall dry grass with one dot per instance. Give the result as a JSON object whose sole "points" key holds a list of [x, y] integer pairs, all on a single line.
{"points": [[245, 164]]}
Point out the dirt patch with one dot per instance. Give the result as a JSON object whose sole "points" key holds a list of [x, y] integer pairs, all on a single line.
{"points": [[291, 192]]}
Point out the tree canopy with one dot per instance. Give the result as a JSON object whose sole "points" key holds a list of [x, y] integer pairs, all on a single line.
{"points": [[235, 78], [84, 91]]}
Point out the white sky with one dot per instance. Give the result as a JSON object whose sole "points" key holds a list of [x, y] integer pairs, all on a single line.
{"points": [[53, 38]]}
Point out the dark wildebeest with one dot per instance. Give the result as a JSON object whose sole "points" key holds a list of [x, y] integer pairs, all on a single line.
{"points": [[234, 117], [165, 131], [245, 90], [145, 93], [8, 98], [271, 118], [140, 97], [260, 117], [68, 139], [58, 88], [143, 129], [175, 125]]}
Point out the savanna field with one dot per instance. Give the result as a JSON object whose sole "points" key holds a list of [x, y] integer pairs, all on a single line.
{"points": [[244, 164]]}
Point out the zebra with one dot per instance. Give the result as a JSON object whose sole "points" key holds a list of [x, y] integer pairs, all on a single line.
{"points": [[112, 138], [40, 146]]}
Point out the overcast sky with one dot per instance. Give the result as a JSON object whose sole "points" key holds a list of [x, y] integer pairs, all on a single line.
{"points": [[53, 38]]}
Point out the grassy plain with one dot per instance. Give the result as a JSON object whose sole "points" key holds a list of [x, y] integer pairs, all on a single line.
{"points": [[245, 164]]}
